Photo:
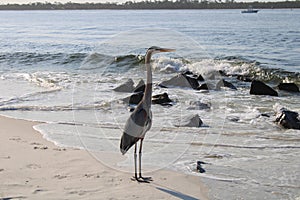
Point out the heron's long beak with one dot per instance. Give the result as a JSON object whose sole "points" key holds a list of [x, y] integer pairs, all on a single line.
{"points": [[166, 50]]}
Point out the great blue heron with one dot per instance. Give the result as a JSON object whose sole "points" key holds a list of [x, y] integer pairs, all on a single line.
{"points": [[140, 120]]}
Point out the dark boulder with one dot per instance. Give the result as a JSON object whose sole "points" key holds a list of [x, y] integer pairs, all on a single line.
{"points": [[136, 98], [194, 76], [200, 78], [187, 72], [180, 80], [259, 88], [265, 115], [203, 86], [223, 83], [193, 81], [290, 87], [162, 99], [199, 166], [140, 87], [288, 119]]}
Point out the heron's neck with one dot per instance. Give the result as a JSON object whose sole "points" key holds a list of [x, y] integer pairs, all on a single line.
{"points": [[148, 88]]}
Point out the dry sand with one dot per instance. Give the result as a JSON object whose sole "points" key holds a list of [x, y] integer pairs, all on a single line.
{"points": [[34, 168]]}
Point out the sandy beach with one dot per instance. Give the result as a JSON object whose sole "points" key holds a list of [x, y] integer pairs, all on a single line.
{"points": [[34, 168]]}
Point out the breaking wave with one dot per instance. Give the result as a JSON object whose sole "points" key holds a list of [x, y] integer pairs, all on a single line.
{"points": [[229, 66]]}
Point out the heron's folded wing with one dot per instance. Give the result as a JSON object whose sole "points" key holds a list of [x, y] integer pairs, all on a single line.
{"points": [[136, 123]]}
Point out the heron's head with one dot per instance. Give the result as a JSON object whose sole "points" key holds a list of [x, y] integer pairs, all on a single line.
{"points": [[155, 49]]}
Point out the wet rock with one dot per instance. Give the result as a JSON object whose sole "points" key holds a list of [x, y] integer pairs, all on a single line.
{"points": [[190, 121], [200, 78], [125, 87], [192, 81], [187, 73], [199, 166], [197, 105], [136, 98], [195, 76], [162, 99], [203, 86], [233, 118], [265, 115], [288, 119], [140, 87], [259, 88], [290, 87], [223, 83], [181, 80], [177, 81]]}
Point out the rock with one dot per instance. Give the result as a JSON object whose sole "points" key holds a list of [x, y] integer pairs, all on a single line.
{"points": [[193, 81], [190, 121], [140, 87], [199, 166], [223, 83], [195, 76], [125, 87], [162, 99], [177, 81], [180, 80], [233, 118], [290, 87], [136, 98], [200, 78], [203, 86], [259, 88], [197, 105], [187, 73], [265, 115], [288, 119]]}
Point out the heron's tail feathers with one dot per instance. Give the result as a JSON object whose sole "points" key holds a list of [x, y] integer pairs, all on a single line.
{"points": [[127, 141]]}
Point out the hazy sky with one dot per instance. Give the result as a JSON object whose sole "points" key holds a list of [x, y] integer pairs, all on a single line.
{"points": [[83, 1]]}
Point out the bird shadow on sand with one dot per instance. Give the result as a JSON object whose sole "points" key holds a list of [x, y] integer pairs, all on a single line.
{"points": [[177, 194], [11, 198]]}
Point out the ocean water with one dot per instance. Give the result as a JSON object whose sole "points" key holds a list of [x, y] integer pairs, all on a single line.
{"points": [[60, 67]]}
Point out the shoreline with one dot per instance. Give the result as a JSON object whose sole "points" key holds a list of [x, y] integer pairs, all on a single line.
{"points": [[33, 168]]}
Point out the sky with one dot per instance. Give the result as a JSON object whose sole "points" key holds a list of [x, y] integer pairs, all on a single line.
{"points": [[95, 1]]}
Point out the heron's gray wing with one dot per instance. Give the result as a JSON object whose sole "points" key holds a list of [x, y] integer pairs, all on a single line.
{"points": [[137, 123]]}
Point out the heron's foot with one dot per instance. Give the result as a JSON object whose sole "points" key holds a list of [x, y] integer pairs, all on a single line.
{"points": [[142, 179], [146, 179]]}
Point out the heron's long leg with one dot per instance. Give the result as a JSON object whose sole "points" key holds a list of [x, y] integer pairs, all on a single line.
{"points": [[140, 158], [143, 179], [135, 164]]}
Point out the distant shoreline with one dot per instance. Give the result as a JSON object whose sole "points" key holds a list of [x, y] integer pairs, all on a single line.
{"points": [[158, 5]]}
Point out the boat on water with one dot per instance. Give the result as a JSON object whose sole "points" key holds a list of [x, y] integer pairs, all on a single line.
{"points": [[250, 10]]}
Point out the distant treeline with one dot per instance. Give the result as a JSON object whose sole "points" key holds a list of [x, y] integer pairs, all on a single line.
{"points": [[165, 4]]}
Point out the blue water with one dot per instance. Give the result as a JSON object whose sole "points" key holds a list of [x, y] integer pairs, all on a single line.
{"points": [[60, 67]]}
